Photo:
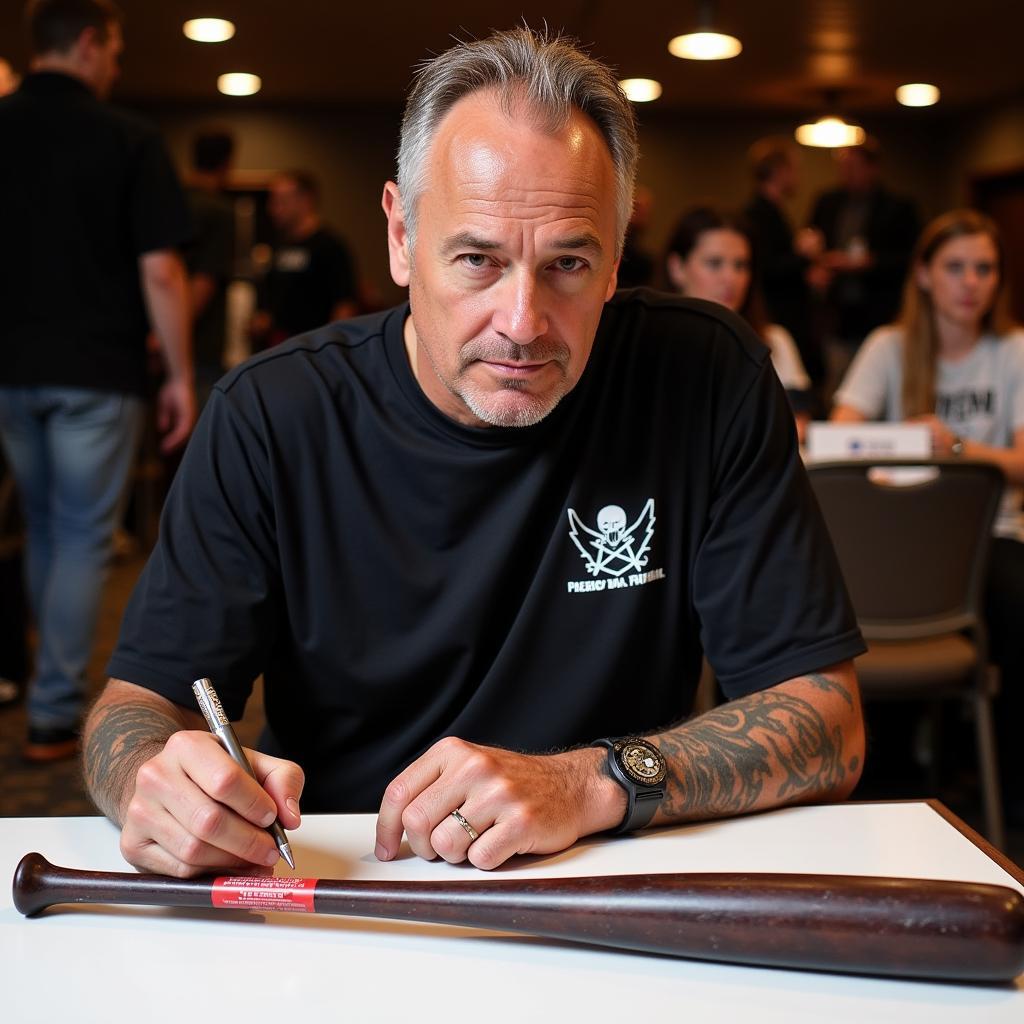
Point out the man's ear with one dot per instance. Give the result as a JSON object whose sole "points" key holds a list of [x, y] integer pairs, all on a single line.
{"points": [[398, 235]]}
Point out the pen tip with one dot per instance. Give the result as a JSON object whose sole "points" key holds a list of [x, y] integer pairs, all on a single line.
{"points": [[286, 852]]}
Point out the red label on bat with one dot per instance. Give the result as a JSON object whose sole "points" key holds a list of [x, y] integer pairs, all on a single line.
{"points": [[293, 894]]}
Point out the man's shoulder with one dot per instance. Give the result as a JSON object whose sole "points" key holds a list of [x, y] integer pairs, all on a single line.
{"points": [[680, 328], [323, 355]]}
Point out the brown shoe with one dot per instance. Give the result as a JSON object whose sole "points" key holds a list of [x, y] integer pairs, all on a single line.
{"points": [[47, 745]]}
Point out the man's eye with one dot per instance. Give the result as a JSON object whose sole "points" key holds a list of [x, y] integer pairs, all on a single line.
{"points": [[474, 260], [713, 264], [569, 264]]}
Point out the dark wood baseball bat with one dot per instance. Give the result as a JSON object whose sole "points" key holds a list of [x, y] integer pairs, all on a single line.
{"points": [[954, 931]]}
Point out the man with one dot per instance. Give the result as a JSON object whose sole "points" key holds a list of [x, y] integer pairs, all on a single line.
{"points": [[311, 280], [785, 263], [91, 212], [506, 517], [210, 256], [869, 234]]}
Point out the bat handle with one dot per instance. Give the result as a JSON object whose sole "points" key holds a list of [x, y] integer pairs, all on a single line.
{"points": [[38, 884]]}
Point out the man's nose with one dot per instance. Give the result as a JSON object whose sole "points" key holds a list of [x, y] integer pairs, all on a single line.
{"points": [[519, 315]]}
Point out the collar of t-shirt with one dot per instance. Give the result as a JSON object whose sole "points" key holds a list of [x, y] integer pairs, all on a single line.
{"points": [[478, 437]]}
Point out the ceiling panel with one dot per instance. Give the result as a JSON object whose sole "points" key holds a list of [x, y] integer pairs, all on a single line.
{"points": [[314, 51]]}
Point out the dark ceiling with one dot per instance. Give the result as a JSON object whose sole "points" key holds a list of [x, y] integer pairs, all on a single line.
{"points": [[343, 52]]}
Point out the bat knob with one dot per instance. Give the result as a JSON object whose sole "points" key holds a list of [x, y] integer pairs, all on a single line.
{"points": [[30, 891]]}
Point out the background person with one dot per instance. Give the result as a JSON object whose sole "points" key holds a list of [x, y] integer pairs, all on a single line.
{"points": [[955, 360], [91, 211], [311, 279], [786, 261], [710, 256], [869, 235], [210, 254]]}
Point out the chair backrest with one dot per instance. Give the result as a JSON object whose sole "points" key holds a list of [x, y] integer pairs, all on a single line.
{"points": [[913, 546]]}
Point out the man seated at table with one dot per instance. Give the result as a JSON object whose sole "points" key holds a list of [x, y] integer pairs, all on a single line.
{"points": [[466, 538]]}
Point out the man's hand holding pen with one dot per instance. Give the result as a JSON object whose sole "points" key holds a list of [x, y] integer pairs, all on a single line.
{"points": [[195, 810]]}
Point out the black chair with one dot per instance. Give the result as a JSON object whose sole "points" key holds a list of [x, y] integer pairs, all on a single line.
{"points": [[913, 540]]}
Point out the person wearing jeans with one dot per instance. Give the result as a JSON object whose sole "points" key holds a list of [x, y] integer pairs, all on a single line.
{"points": [[93, 216]]}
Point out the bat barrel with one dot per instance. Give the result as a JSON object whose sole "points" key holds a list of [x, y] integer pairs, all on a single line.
{"points": [[898, 927]]}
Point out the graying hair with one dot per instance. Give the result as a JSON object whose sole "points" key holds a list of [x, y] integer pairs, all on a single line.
{"points": [[551, 76]]}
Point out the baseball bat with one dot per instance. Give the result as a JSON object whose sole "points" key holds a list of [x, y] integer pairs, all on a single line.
{"points": [[912, 928]]}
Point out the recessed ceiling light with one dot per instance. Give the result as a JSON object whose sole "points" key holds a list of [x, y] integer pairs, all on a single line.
{"points": [[917, 94], [830, 133], [705, 46], [239, 83], [641, 90], [208, 30]]}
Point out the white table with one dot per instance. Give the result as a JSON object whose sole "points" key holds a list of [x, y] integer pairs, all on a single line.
{"points": [[150, 965]]}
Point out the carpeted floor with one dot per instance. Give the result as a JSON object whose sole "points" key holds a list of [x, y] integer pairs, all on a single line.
{"points": [[30, 790]]}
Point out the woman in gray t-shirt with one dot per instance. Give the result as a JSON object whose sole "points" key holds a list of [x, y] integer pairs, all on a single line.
{"points": [[955, 360]]}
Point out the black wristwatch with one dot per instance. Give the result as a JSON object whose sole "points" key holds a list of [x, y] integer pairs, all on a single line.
{"points": [[640, 768]]}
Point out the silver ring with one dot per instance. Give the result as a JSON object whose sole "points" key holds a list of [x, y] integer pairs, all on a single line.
{"points": [[469, 830]]}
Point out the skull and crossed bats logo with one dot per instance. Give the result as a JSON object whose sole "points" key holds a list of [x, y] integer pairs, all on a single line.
{"points": [[613, 541]]}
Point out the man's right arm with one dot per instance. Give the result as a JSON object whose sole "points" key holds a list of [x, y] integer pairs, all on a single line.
{"points": [[184, 807]]}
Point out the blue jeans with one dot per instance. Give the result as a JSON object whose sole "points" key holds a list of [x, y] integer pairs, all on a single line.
{"points": [[70, 450]]}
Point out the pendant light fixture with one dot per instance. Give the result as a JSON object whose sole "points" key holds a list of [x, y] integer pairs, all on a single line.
{"points": [[830, 131], [706, 43]]}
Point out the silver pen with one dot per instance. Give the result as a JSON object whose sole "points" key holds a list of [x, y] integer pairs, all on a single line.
{"points": [[217, 720]]}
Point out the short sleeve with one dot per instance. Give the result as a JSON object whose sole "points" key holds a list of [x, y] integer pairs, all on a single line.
{"points": [[870, 378], [207, 601], [1016, 375], [786, 359], [767, 584], [160, 217]]}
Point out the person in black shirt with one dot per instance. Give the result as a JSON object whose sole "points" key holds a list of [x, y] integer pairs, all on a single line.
{"points": [[786, 261], [92, 215], [869, 234], [311, 280], [470, 537], [210, 255]]}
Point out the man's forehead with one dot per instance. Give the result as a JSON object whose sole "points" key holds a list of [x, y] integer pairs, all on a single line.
{"points": [[492, 161]]}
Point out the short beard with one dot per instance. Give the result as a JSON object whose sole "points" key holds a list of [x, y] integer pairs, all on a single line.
{"points": [[525, 409]]}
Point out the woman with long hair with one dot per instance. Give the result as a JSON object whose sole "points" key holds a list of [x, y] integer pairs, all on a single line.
{"points": [[711, 256], [955, 361]]}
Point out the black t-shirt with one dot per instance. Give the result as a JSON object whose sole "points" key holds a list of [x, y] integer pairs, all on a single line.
{"points": [[398, 576], [306, 280], [84, 191], [211, 252]]}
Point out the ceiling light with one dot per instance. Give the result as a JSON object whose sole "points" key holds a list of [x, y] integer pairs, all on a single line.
{"points": [[705, 46], [917, 94], [830, 132], [641, 90], [238, 83], [208, 30], [706, 43]]}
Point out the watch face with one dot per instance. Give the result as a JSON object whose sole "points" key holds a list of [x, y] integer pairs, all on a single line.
{"points": [[642, 762]]}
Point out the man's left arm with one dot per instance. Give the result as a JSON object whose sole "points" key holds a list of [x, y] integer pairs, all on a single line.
{"points": [[797, 742]]}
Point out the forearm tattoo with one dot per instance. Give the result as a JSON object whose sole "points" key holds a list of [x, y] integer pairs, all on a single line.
{"points": [[770, 744], [121, 738]]}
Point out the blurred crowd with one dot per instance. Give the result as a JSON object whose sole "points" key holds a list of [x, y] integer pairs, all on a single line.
{"points": [[866, 316]]}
